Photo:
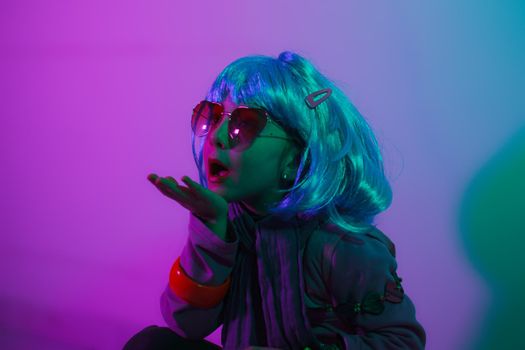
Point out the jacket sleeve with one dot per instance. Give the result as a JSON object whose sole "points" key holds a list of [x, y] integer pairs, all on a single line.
{"points": [[368, 297], [208, 260]]}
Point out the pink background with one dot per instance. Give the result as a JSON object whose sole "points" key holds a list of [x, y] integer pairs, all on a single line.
{"points": [[95, 95]]}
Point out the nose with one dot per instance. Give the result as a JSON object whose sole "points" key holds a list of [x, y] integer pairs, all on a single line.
{"points": [[218, 136]]}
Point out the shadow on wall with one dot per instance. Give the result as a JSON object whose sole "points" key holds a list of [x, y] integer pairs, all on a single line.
{"points": [[492, 226]]}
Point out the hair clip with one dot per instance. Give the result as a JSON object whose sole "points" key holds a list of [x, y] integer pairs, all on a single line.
{"points": [[314, 103]]}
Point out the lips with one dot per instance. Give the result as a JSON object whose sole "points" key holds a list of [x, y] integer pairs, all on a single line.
{"points": [[217, 169]]}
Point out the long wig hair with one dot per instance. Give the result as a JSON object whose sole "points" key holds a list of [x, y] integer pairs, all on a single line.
{"points": [[340, 173]]}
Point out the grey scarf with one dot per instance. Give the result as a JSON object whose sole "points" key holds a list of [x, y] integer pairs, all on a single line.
{"points": [[265, 305]]}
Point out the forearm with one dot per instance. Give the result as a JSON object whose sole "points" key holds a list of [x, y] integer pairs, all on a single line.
{"points": [[207, 260]]}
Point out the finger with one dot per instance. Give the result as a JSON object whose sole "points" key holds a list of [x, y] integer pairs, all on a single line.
{"points": [[152, 178], [183, 195], [192, 184], [160, 183], [172, 189], [167, 183], [174, 185]]}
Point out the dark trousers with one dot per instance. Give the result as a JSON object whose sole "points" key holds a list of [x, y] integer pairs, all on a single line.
{"points": [[163, 338]]}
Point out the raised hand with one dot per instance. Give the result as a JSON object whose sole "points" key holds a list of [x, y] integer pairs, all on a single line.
{"points": [[206, 204]]}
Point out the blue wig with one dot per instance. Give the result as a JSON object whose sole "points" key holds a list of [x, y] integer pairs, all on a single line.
{"points": [[340, 172]]}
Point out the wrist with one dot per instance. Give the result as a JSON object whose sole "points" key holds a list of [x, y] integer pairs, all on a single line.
{"points": [[219, 227]]}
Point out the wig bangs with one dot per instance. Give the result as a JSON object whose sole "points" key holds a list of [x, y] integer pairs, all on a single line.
{"points": [[242, 81]]}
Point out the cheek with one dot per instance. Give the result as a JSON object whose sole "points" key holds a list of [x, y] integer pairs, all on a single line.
{"points": [[260, 170]]}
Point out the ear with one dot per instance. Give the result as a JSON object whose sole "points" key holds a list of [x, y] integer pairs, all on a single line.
{"points": [[291, 161]]}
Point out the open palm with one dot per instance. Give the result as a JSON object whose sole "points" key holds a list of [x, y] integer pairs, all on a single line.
{"points": [[202, 202]]}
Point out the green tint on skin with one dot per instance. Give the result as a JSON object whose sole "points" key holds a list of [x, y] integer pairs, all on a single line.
{"points": [[255, 171]]}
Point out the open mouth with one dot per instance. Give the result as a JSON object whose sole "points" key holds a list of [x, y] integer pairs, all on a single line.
{"points": [[217, 170]]}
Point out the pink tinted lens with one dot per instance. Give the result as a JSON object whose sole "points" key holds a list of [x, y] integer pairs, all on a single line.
{"points": [[204, 117], [245, 125]]}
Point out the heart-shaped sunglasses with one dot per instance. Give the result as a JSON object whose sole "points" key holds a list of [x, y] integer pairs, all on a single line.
{"points": [[244, 123]]}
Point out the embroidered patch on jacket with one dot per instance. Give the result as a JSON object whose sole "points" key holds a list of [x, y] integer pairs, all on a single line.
{"points": [[373, 302]]}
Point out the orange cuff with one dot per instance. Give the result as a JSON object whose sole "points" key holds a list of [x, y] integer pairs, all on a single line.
{"points": [[194, 293]]}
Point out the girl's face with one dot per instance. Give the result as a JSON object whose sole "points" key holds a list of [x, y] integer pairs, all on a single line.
{"points": [[254, 172]]}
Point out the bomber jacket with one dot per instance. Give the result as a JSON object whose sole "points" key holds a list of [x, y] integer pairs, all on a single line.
{"points": [[352, 294]]}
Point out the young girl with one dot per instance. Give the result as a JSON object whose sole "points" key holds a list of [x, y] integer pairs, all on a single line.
{"points": [[282, 250]]}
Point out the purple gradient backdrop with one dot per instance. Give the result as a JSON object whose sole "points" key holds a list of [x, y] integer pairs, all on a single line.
{"points": [[96, 94]]}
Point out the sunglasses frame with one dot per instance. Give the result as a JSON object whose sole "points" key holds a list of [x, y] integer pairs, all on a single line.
{"points": [[230, 137]]}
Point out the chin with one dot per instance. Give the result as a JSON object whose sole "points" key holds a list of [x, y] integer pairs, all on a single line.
{"points": [[221, 191]]}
